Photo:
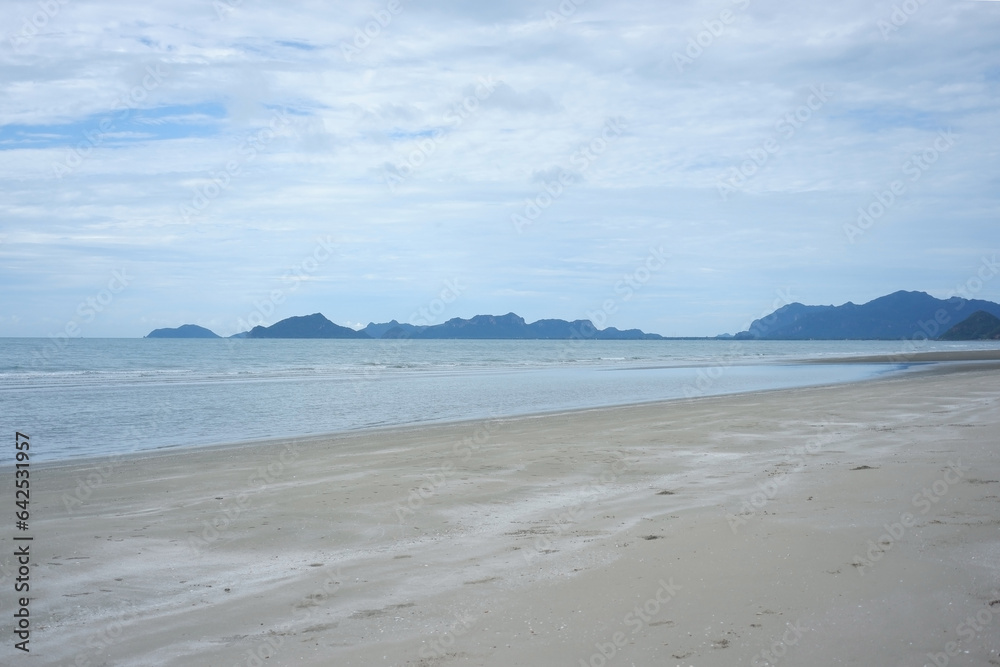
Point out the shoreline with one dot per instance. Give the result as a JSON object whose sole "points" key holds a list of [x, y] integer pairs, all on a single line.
{"points": [[724, 520], [916, 357], [924, 363]]}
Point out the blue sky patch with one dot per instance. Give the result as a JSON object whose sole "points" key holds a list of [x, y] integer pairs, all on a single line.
{"points": [[887, 117], [403, 135], [120, 127], [302, 46]]}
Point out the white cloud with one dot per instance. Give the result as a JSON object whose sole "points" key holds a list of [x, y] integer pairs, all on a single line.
{"points": [[322, 172]]}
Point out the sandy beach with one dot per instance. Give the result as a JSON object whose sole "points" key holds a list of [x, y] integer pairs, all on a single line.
{"points": [[843, 525]]}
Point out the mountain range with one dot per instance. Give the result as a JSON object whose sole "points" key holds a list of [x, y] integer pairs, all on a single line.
{"points": [[484, 327], [509, 326], [901, 315]]}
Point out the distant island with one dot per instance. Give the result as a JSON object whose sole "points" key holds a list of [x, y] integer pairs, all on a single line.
{"points": [[901, 315], [981, 325], [183, 331], [481, 327], [307, 326]]}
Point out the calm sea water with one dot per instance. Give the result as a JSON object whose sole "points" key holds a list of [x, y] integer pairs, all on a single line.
{"points": [[85, 397]]}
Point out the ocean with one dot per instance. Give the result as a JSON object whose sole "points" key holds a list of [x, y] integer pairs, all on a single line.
{"points": [[87, 397]]}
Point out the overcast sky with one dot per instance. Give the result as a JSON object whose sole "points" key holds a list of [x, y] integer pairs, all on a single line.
{"points": [[681, 167]]}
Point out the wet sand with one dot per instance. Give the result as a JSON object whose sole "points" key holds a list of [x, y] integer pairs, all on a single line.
{"points": [[916, 357], [852, 524]]}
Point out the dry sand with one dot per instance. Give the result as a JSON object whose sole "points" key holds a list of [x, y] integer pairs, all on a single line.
{"points": [[844, 525]]}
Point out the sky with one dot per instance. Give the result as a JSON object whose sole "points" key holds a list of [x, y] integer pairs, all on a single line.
{"points": [[679, 167]]}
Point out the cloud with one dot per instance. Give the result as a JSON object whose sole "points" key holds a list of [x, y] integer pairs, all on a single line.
{"points": [[74, 207], [556, 173], [532, 101]]}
